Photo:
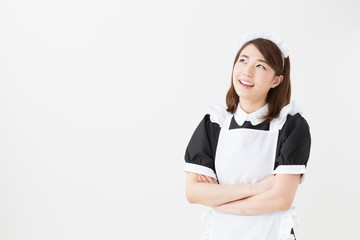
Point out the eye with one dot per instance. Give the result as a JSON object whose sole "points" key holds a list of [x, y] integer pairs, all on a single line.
{"points": [[242, 60], [261, 66]]}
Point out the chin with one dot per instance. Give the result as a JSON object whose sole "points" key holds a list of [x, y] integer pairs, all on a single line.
{"points": [[242, 94]]}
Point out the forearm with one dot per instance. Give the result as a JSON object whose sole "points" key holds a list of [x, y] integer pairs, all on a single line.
{"points": [[259, 204], [280, 197], [216, 194]]}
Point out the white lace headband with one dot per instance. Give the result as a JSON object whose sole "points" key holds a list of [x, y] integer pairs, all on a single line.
{"points": [[267, 35]]}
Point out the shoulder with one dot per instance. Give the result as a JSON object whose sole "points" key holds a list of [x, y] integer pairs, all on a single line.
{"points": [[297, 122], [295, 125], [218, 113], [291, 117]]}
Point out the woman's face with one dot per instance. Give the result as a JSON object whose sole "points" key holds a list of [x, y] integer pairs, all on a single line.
{"points": [[253, 77]]}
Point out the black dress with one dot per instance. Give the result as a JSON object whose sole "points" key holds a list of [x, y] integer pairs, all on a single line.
{"points": [[240, 148]]}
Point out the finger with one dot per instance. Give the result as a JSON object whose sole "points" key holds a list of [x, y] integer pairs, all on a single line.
{"points": [[205, 179], [199, 178], [212, 180]]}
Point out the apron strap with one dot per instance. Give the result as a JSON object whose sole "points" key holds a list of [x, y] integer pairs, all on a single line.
{"points": [[274, 125], [227, 122]]}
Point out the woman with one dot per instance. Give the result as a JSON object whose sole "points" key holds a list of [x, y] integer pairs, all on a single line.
{"points": [[247, 160]]}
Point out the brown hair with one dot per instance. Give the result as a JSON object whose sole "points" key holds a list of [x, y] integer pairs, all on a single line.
{"points": [[277, 97]]}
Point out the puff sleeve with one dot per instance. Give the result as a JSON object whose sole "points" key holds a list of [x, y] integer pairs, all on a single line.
{"points": [[293, 147], [201, 149]]}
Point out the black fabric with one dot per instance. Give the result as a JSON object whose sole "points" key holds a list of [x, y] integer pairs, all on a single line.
{"points": [[293, 146], [247, 124], [293, 233], [202, 145]]}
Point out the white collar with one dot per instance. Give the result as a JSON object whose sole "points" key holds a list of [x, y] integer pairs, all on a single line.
{"points": [[255, 117]]}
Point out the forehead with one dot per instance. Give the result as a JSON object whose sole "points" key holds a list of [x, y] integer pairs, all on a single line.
{"points": [[252, 52]]}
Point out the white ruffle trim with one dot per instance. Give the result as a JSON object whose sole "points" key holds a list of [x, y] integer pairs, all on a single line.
{"points": [[292, 108], [247, 36], [288, 220], [218, 113], [206, 220]]}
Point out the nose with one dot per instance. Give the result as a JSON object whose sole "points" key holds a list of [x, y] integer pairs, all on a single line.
{"points": [[247, 71]]}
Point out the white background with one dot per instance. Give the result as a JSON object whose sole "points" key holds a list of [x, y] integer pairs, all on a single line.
{"points": [[98, 100]]}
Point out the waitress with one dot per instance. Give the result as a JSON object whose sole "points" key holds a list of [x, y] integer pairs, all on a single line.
{"points": [[246, 160]]}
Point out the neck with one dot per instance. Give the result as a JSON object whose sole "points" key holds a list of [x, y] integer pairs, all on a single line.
{"points": [[251, 106]]}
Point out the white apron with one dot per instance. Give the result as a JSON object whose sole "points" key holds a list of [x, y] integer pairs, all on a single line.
{"points": [[247, 156]]}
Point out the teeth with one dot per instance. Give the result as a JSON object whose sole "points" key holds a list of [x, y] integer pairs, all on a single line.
{"points": [[246, 83]]}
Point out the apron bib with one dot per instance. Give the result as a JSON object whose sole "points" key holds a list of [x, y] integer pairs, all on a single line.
{"points": [[245, 156]]}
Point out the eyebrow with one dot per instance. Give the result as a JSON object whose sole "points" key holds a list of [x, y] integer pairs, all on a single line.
{"points": [[260, 60]]}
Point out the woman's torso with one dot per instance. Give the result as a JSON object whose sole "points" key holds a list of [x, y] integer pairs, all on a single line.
{"points": [[244, 156]]}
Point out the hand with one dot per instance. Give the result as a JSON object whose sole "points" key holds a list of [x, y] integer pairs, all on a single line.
{"points": [[265, 184], [206, 179]]}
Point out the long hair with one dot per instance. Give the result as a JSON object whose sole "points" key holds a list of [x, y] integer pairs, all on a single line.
{"points": [[277, 97]]}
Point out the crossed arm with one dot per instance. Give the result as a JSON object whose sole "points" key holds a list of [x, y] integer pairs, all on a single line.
{"points": [[270, 194]]}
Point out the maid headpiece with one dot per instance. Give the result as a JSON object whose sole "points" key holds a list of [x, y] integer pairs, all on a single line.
{"points": [[267, 35]]}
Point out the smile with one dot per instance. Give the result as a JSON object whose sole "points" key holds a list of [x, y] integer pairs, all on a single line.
{"points": [[246, 83]]}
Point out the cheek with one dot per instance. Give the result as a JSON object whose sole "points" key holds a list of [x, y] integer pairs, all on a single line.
{"points": [[265, 77], [236, 72], [235, 77]]}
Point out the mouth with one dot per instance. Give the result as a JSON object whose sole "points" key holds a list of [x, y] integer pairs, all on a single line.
{"points": [[246, 83]]}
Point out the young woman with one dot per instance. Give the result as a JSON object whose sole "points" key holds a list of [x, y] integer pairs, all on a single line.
{"points": [[246, 161]]}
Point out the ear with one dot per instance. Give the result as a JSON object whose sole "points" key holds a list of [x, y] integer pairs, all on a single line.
{"points": [[276, 81]]}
